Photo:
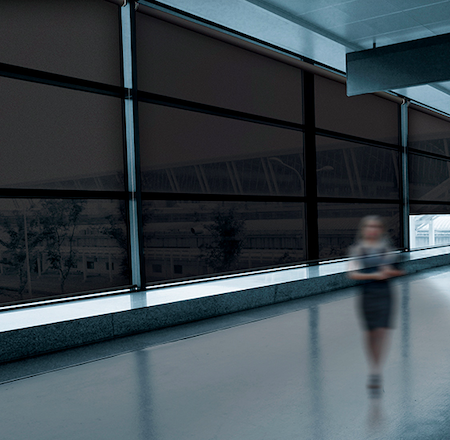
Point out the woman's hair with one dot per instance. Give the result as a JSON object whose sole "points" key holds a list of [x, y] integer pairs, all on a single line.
{"points": [[355, 249], [371, 218]]}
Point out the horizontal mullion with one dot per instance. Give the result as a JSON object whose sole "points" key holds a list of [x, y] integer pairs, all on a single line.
{"points": [[358, 200], [262, 198], [429, 202], [356, 139], [438, 156], [61, 194], [54, 79], [153, 98], [221, 197]]}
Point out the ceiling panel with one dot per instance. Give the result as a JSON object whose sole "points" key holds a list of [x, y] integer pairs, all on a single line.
{"points": [[354, 31], [327, 17], [442, 27], [430, 14], [304, 6], [364, 9], [391, 23], [394, 37], [383, 16], [409, 4], [356, 21]]}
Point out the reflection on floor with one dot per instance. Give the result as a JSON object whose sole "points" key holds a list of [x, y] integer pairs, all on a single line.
{"points": [[290, 371]]}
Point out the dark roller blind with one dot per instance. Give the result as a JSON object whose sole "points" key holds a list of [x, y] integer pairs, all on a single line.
{"points": [[89, 229], [338, 225], [366, 116], [186, 239], [58, 138], [429, 178], [349, 169], [181, 63], [79, 38], [184, 151], [428, 133], [418, 208]]}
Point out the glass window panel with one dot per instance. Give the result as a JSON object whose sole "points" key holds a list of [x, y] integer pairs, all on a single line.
{"points": [[180, 63], [429, 230], [189, 152], [197, 238], [348, 169], [417, 208], [429, 179], [338, 225], [79, 38], [428, 133], [366, 116], [58, 138], [66, 246]]}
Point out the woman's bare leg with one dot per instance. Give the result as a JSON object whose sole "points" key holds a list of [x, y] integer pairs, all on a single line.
{"points": [[376, 343]]}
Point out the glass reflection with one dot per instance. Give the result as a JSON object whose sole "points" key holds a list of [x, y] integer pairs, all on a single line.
{"points": [[428, 133], [192, 238], [54, 247], [189, 152], [338, 225], [270, 175], [429, 178], [348, 169]]}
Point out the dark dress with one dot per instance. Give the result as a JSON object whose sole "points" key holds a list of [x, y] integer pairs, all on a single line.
{"points": [[376, 298]]}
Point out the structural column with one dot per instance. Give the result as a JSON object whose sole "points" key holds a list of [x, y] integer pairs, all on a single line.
{"points": [[309, 165], [128, 20], [404, 166]]}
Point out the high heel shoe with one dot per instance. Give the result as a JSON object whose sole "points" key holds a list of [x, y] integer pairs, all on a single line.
{"points": [[374, 382]]}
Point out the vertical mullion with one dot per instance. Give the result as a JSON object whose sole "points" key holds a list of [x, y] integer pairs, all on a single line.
{"points": [[311, 214], [128, 18], [405, 178]]}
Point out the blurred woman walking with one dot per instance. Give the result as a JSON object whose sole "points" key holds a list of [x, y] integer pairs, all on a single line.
{"points": [[374, 264]]}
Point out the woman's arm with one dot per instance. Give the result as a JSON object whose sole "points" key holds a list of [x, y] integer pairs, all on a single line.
{"points": [[380, 275], [384, 273], [354, 273], [394, 272]]}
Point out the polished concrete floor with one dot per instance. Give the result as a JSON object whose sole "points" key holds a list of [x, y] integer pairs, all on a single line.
{"points": [[291, 371]]}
